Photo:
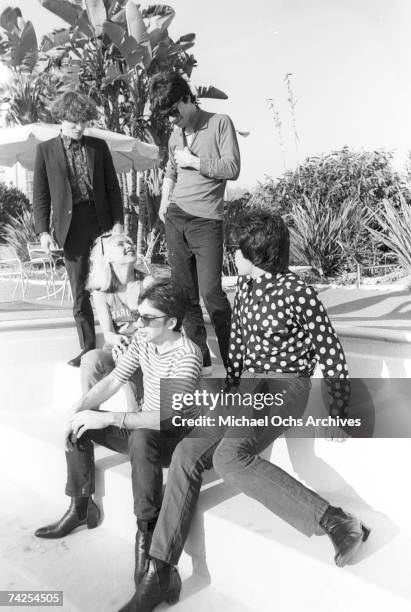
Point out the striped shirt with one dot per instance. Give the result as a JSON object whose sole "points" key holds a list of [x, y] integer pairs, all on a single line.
{"points": [[183, 362]]}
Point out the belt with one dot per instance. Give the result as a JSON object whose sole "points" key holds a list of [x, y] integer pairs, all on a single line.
{"points": [[84, 203]]}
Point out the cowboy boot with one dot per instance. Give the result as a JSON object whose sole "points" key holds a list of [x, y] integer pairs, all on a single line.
{"points": [[161, 582], [82, 511], [346, 533]]}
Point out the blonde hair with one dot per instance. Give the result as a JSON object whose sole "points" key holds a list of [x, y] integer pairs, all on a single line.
{"points": [[101, 275]]}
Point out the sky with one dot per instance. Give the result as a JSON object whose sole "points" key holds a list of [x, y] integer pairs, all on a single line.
{"points": [[350, 62]]}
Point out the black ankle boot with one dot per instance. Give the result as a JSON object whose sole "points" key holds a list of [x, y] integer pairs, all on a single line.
{"points": [[82, 511], [143, 543], [346, 532], [161, 582]]}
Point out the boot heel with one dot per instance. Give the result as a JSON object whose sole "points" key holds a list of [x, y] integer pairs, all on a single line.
{"points": [[365, 532], [174, 588], [92, 524]]}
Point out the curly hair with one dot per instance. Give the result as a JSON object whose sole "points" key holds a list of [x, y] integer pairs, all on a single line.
{"points": [[74, 106], [168, 297], [263, 238], [167, 88], [101, 275]]}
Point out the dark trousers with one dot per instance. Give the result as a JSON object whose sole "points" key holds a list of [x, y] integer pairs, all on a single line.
{"points": [[195, 250], [235, 454], [84, 229], [149, 451]]}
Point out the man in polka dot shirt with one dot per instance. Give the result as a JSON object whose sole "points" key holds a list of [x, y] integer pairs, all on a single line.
{"points": [[279, 330], [279, 325]]}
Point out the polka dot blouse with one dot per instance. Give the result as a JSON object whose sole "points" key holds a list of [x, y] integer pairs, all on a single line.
{"points": [[279, 324]]}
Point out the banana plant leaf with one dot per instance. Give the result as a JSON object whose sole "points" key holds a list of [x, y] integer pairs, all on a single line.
{"points": [[23, 48], [9, 17], [157, 21], [186, 38], [71, 13], [113, 73], [119, 17], [132, 52], [97, 15], [137, 29], [179, 48], [211, 92], [55, 39]]}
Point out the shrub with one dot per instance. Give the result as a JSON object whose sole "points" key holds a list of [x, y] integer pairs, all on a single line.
{"points": [[13, 203], [19, 231], [395, 231], [322, 186], [320, 234]]}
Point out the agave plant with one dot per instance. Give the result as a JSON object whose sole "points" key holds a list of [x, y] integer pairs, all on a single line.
{"points": [[319, 234], [395, 231], [18, 231]]}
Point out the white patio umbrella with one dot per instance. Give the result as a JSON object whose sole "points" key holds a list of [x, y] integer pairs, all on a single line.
{"points": [[18, 144]]}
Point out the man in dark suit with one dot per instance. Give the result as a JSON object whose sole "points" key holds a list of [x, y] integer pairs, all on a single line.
{"points": [[76, 193]]}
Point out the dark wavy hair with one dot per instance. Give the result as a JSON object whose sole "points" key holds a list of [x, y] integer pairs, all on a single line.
{"points": [[74, 106], [264, 239], [167, 88], [167, 297]]}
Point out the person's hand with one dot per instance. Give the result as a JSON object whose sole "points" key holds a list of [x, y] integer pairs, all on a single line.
{"points": [[185, 159], [335, 434], [118, 228], [120, 345], [162, 210], [88, 419], [47, 243]]}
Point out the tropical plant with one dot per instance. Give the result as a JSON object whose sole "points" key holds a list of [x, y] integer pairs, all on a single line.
{"points": [[319, 234], [20, 230], [395, 232], [13, 203], [110, 51], [29, 88]]}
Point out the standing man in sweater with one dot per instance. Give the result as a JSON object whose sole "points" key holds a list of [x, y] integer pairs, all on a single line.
{"points": [[76, 192], [203, 155]]}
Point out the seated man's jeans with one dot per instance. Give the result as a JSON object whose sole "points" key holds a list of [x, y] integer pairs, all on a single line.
{"points": [[149, 451], [236, 458]]}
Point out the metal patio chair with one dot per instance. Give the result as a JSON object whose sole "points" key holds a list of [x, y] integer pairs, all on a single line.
{"points": [[13, 268]]}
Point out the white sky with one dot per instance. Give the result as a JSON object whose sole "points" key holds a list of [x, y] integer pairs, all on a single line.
{"points": [[350, 61]]}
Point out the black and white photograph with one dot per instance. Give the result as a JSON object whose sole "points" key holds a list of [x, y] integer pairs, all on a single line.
{"points": [[205, 305]]}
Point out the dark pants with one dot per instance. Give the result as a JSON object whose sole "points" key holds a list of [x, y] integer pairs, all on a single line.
{"points": [[195, 249], [236, 459], [84, 229], [149, 451]]}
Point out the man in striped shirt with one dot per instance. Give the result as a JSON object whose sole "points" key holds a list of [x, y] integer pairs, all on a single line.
{"points": [[162, 352]]}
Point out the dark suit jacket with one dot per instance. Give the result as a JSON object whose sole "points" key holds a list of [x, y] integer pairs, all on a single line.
{"points": [[52, 199]]}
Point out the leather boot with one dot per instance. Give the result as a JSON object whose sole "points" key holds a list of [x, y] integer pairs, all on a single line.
{"points": [[78, 514], [143, 543], [346, 533], [159, 583]]}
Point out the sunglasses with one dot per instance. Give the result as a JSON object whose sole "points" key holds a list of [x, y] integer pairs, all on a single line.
{"points": [[145, 319]]}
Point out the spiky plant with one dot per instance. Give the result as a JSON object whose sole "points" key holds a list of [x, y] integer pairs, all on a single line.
{"points": [[395, 232], [18, 231]]}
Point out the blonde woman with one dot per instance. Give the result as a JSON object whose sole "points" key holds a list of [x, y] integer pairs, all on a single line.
{"points": [[115, 284]]}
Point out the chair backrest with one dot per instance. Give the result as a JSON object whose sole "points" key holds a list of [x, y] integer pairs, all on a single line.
{"points": [[36, 252]]}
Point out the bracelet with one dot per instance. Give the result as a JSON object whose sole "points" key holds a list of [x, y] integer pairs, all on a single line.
{"points": [[123, 419]]}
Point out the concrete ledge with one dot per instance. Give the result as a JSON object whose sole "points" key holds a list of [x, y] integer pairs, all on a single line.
{"points": [[343, 330]]}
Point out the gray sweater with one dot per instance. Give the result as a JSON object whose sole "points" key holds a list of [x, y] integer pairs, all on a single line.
{"points": [[201, 193]]}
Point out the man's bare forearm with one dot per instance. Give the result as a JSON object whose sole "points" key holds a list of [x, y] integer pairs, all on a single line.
{"points": [[98, 394], [149, 419]]}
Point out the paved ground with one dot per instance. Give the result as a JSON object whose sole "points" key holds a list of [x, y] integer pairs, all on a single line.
{"points": [[383, 309]]}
